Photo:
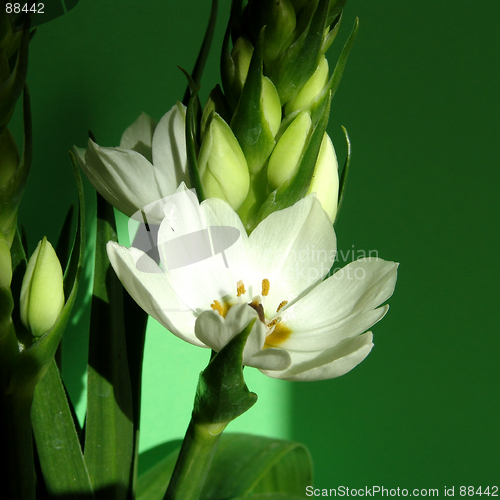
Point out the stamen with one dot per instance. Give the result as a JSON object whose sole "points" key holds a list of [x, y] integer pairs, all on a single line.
{"points": [[274, 322], [240, 290], [216, 306], [282, 305], [265, 287]]}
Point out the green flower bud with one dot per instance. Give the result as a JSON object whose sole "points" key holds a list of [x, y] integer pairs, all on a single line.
{"points": [[42, 294], [222, 164], [5, 262], [242, 55], [284, 160], [325, 180], [278, 16], [216, 102], [271, 105], [307, 94]]}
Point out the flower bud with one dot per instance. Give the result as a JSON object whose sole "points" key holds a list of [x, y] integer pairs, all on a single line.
{"points": [[222, 164], [325, 180], [285, 158], [242, 55], [271, 105], [42, 294], [5, 262], [278, 16], [311, 89]]}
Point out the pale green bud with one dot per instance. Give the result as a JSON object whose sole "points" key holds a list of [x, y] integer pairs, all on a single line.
{"points": [[42, 294], [215, 102], [222, 164], [242, 55], [271, 105], [325, 180], [5, 262], [285, 158], [278, 16], [311, 89]]}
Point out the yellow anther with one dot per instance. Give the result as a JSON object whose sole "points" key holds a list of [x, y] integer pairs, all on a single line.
{"points": [[282, 305], [240, 290], [265, 287], [274, 322], [216, 306]]}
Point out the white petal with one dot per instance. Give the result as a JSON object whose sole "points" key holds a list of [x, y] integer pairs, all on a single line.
{"points": [[124, 178], [151, 290], [326, 364], [293, 248], [139, 136], [197, 268], [169, 146], [340, 307], [215, 331]]}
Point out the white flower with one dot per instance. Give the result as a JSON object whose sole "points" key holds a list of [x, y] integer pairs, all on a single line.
{"points": [[213, 285], [149, 164]]}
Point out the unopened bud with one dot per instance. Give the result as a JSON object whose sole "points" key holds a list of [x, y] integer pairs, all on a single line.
{"points": [[42, 293], [285, 158], [278, 16], [271, 105], [222, 164], [311, 89], [242, 55], [325, 180]]}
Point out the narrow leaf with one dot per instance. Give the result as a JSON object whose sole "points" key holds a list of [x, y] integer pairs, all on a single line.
{"points": [[109, 428], [343, 177], [64, 471]]}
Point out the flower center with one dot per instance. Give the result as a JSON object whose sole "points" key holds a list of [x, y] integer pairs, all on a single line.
{"points": [[276, 331]]}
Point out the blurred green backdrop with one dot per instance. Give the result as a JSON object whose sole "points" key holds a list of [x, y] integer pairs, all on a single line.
{"points": [[420, 101]]}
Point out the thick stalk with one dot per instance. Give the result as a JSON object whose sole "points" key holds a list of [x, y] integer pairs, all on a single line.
{"points": [[193, 463]]}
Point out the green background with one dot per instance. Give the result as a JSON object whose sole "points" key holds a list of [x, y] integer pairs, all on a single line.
{"points": [[420, 101]]}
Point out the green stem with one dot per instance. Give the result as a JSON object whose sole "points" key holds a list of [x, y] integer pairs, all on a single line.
{"points": [[193, 463]]}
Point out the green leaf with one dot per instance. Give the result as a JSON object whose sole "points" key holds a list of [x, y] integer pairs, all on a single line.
{"points": [[35, 359], [243, 465], [64, 470], [222, 394], [109, 428], [204, 51], [343, 177], [246, 464]]}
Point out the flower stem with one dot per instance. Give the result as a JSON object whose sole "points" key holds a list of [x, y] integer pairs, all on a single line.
{"points": [[193, 463]]}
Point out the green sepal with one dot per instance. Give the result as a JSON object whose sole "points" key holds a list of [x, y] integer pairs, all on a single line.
{"points": [[249, 123], [63, 247], [295, 188], [222, 394], [109, 432], [298, 63], [64, 471], [334, 10], [35, 359], [201, 60], [343, 177], [243, 465], [11, 89], [334, 81], [193, 118], [11, 193]]}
